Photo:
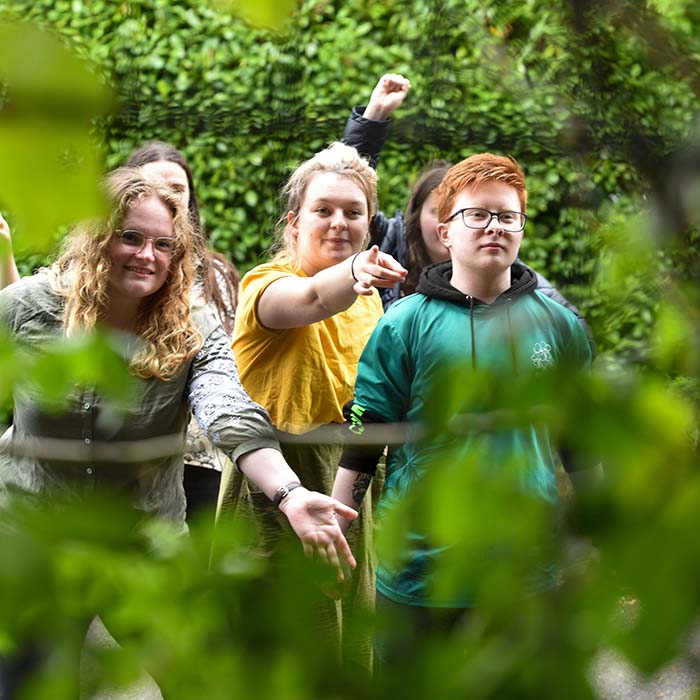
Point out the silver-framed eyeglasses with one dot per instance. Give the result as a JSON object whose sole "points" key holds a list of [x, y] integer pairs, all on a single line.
{"points": [[475, 217], [135, 241]]}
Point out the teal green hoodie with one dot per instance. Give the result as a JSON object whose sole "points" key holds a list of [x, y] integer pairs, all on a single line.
{"points": [[521, 333]]}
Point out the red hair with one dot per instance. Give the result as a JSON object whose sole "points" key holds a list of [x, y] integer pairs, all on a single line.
{"points": [[476, 171]]}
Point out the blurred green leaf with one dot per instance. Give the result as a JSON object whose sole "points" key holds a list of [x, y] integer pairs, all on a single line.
{"points": [[262, 13], [53, 372], [50, 166], [591, 105]]}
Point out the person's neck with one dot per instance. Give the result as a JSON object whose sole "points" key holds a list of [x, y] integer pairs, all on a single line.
{"points": [[486, 287], [121, 316]]}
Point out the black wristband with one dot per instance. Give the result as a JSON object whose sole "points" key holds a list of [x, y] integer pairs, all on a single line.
{"points": [[283, 491], [352, 267]]}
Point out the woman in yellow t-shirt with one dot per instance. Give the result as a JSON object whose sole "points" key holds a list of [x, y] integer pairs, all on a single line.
{"points": [[302, 321]]}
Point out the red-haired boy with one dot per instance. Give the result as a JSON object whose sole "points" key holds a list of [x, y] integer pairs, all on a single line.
{"points": [[481, 309]]}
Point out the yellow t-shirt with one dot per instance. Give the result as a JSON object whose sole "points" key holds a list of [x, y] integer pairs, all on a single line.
{"points": [[302, 376]]}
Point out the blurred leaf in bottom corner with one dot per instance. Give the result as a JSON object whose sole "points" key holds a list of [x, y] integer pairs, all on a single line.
{"points": [[49, 166]]}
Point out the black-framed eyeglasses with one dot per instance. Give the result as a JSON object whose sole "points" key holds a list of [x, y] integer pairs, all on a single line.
{"points": [[135, 241], [475, 217]]}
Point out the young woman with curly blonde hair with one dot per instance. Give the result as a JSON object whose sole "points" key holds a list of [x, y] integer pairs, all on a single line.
{"points": [[132, 275]]}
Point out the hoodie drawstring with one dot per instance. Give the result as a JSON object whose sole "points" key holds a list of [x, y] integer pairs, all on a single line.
{"points": [[471, 325], [513, 354]]}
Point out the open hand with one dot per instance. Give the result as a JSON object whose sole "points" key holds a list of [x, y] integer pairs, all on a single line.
{"points": [[313, 517]]}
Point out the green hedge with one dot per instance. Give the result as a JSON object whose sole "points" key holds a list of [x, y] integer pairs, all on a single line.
{"points": [[588, 97]]}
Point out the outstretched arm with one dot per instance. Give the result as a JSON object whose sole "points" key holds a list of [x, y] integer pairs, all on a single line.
{"points": [[293, 301], [8, 268], [367, 130], [242, 428]]}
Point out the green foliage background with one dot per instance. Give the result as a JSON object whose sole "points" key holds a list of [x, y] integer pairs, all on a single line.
{"points": [[588, 98]]}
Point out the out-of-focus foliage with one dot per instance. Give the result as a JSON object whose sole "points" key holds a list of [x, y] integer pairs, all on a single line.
{"points": [[265, 13], [72, 559], [53, 372], [620, 565], [50, 166], [599, 102]]}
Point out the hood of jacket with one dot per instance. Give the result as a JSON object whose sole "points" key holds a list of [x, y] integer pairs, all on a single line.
{"points": [[435, 283]]}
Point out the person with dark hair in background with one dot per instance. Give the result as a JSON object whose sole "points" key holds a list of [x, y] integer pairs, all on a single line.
{"points": [[218, 285], [413, 239]]}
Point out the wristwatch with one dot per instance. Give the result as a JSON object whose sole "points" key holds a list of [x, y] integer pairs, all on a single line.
{"points": [[283, 491]]}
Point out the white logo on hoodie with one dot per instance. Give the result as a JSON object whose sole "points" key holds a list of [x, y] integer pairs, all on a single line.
{"points": [[542, 355]]}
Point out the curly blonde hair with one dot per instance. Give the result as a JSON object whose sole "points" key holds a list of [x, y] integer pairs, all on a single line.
{"points": [[338, 158], [81, 276]]}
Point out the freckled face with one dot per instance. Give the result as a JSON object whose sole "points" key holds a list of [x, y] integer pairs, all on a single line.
{"points": [[428, 227], [173, 175], [332, 222], [137, 274], [491, 249]]}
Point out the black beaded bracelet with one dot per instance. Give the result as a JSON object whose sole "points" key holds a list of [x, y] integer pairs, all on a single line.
{"points": [[283, 491], [352, 267]]}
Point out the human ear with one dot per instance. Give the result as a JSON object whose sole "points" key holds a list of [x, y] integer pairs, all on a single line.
{"points": [[442, 233], [292, 217]]}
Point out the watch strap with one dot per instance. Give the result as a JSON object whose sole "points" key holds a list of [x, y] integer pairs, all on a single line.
{"points": [[283, 491]]}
